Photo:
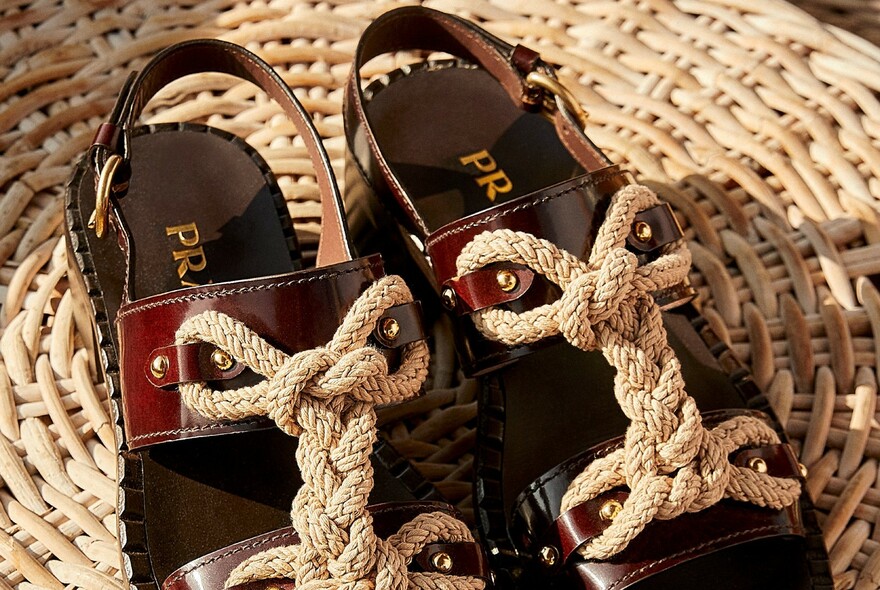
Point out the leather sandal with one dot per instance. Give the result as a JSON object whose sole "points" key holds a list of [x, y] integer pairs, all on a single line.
{"points": [[217, 345], [620, 443]]}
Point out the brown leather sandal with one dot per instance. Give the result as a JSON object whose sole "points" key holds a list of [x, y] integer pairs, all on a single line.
{"points": [[591, 472], [190, 247]]}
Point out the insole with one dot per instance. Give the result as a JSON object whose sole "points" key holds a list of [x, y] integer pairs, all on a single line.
{"points": [[458, 144], [202, 207], [449, 136]]}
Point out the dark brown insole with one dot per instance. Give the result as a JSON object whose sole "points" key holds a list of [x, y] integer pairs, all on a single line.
{"points": [[559, 401]]}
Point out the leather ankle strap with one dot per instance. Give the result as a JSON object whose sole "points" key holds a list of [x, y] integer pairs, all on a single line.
{"points": [[210, 55], [419, 28]]}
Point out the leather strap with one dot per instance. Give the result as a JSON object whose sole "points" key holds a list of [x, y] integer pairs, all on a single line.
{"points": [[210, 55], [211, 571], [419, 28], [295, 312], [188, 363], [662, 544]]}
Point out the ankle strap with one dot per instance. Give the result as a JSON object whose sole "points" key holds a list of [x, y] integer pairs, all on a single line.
{"points": [[209, 55], [418, 28]]}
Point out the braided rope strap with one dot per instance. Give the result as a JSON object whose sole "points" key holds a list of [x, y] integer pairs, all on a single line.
{"points": [[669, 461], [327, 397]]}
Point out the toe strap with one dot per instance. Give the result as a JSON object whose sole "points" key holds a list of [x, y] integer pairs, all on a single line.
{"points": [[211, 571], [553, 539]]}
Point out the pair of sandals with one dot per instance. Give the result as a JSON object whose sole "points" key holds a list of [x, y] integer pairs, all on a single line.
{"points": [[596, 467]]}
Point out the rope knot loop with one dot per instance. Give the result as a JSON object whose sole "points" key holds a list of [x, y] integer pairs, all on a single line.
{"points": [[346, 367]]}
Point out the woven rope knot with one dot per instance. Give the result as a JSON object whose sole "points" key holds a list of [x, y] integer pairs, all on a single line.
{"points": [[327, 396], [347, 366], [669, 461]]}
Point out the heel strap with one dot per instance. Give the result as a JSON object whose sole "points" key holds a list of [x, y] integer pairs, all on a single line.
{"points": [[210, 55], [418, 28]]}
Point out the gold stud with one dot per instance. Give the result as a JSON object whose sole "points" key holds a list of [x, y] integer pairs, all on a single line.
{"points": [[221, 359], [442, 562], [159, 366], [758, 464], [447, 296], [390, 328], [507, 280], [643, 231], [804, 471], [548, 554], [610, 510]]}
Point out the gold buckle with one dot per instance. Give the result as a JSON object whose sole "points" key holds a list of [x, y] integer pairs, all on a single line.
{"points": [[565, 101], [98, 220]]}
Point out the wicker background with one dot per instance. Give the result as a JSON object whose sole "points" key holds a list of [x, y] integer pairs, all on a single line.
{"points": [[758, 123]]}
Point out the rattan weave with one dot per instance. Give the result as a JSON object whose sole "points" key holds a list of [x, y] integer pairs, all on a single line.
{"points": [[760, 125]]}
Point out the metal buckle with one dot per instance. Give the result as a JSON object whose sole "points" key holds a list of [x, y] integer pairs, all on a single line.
{"points": [[98, 220], [565, 101]]}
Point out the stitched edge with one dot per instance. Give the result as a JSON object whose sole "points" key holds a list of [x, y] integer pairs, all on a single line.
{"points": [[768, 529], [193, 429], [589, 181], [203, 295], [182, 573]]}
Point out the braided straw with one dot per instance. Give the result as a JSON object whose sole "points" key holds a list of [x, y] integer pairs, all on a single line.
{"points": [[669, 461], [327, 396]]}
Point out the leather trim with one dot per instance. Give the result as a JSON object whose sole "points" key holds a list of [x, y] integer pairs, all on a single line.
{"points": [[187, 363]]}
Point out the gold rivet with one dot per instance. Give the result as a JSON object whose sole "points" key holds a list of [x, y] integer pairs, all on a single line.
{"points": [[390, 328], [804, 471], [442, 562], [610, 510], [221, 359], [159, 366], [643, 231], [549, 555], [758, 464], [447, 296], [507, 280]]}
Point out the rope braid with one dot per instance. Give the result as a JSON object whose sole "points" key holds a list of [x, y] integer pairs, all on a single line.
{"points": [[669, 461], [327, 397]]}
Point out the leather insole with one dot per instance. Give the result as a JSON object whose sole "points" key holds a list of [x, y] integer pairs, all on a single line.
{"points": [[200, 206], [560, 400], [456, 141]]}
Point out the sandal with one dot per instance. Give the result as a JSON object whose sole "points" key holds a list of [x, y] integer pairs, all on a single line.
{"points": [[595, 467], [209, 326]]}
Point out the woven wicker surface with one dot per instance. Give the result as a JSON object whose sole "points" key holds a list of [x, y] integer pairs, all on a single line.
{"points": [[761, 127]]}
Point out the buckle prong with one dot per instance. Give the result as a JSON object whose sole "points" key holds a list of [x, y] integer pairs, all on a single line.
{"points": [[565, 100], [98, 220]]}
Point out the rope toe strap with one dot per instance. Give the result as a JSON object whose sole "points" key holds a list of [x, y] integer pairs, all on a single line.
{"points": [[669, 461], [327, 396]]}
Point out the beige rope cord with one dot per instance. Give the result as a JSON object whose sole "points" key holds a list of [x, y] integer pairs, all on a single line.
{"points": [[327, 397], [760, 126], [607, 303]]}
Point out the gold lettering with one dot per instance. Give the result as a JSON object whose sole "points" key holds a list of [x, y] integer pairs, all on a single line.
{"points": [[481, 159], [182, 231], [187, 262], [494, 188]]}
